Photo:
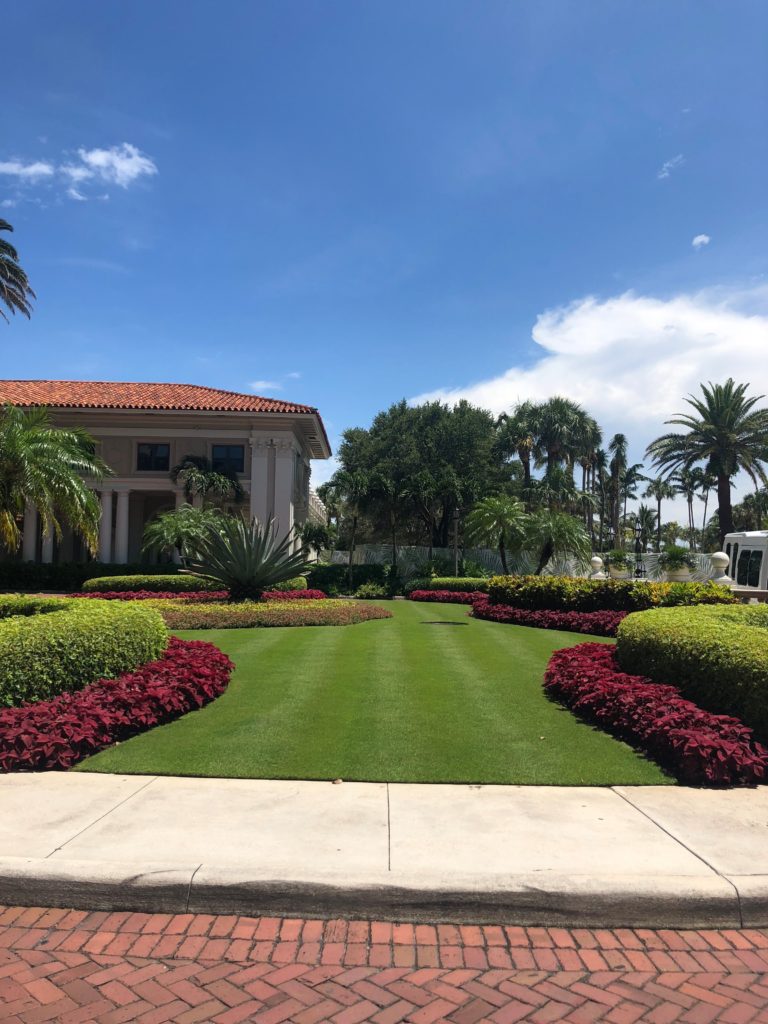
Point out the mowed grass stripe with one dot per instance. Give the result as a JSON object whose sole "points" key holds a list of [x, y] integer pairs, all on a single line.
{"points": [[391, 700]]}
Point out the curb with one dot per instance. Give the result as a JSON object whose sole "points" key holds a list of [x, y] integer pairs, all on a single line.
{"points": [[676, 901]]}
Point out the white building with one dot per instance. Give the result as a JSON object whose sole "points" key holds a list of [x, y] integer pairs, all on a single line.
{"points": [[143, 430]]}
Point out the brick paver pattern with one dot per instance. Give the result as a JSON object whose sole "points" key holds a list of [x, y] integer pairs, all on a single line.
{"points": [[75, 967]]}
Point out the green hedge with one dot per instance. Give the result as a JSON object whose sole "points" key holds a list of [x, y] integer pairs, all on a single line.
{"points": [[569, 593], [157, 584], [718, 657], [297, 583], [52, 645], [68, 576], [458, 584], [334, 579]]}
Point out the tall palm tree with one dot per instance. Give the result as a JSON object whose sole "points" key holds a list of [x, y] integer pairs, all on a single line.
{"points": [[499, 521], [515, 437], [559, 427], [15, 291], [660, 490], [647, 519], [617, 448], [630, 478], [350, 487], [686, 482], [725, 433], [50, 468], [600, 485]]}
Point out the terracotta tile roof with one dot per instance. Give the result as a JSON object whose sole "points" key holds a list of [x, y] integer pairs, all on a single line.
{"points": [[90, 394]]}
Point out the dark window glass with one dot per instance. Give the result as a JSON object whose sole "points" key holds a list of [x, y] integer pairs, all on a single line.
{"points": [[748, 568], [154, 457], [228, 458]]}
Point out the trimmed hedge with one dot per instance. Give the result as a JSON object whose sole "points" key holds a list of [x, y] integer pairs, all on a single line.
{"points": [[698, 747], [296, 583], [68, 576], [456, 584], [49, 645], [250, 614], [717, 656], [600, 623], [334, 579], [165, 584], [55, 734], [569, 593]]}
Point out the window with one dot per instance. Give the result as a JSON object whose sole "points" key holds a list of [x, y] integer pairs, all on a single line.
{"points": [[228, 458], [748, 568], [153, 457]]}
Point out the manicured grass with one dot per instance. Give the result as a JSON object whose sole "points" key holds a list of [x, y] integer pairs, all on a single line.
{"points": [[397, 700]]}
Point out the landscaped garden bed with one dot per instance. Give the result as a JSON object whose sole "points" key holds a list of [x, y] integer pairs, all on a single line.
{"points": [[598, 623], [249, 614]]}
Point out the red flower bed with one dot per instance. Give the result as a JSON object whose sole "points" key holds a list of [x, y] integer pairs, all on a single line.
{"points": [[55, 734], [596, 623], [294, 595], [699, 748], [448, 596]]}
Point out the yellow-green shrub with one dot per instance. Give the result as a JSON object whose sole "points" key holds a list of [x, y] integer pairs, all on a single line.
{"points": [[158, 584], [717, 656], [52, 645], [570, 593]]}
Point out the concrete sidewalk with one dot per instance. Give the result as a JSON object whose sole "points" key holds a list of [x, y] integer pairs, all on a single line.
{"points": [[634, 856]]}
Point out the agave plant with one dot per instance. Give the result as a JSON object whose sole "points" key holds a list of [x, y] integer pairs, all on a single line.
{"points": [[246, 558]]}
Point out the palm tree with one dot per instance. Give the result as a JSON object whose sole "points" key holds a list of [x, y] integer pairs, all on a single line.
{"points": [[350, 488], [47, 467], [198, 477], [630, 478], [556, 534], [724, 432], [499, 521], [660, 490], [515, 437], [560, 427], [686, 483], [647, 519], [15, 291], [617, 448], [182, 530]]}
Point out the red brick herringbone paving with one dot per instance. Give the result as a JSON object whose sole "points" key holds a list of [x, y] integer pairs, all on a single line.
{"points": [[76, 967]]}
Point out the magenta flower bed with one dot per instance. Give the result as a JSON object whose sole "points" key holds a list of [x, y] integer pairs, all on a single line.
{"points": [[201, 595], [602, 623], [294, 595], [448, 596], [698, 747], [55, 734]]}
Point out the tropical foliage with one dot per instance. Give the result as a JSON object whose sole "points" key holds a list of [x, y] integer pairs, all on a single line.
{"points": [[15, 290], [181, 531]]}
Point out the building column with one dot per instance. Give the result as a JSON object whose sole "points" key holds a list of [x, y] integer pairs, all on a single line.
{"points": [[47, 552], [29, 549], [285, 483], [260, 456], [121, 528], [105, 526]]}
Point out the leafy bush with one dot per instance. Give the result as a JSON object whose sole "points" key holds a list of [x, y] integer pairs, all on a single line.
{"points": [[600, 623], [55, 734], [334, 579], [447, 596], [467, 584], [673, 558], [248, 614], [570, 593], [49, 645], [296, 583], [717, 656], [619, 559], [161, 583], [698, 747], [67, 576], [370, 591]]}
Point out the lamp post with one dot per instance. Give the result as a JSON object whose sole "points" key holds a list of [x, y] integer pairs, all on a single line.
{"points": [[455, 542], [639, 565]]}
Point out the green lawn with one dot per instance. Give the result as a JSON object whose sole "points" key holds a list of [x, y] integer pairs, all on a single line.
{"points": [[398, 700]]}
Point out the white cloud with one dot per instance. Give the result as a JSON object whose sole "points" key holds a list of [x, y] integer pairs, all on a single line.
{"points": [[293, 376], [73, 193], [120, 165], [27, 172], [670, 165], [699, 241], [8, 203], [265, 385], [630, 360]]}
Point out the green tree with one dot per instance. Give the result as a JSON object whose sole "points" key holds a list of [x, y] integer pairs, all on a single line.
{"points": [[51, 468], [497, 521], [556, 535], [199, 479], [182, 530], [660, 490], [725, 434], [515, 437], [15, 290], [617, 449]]}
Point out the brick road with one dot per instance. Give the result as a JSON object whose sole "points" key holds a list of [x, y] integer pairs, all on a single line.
{"points": [[75, 967]]}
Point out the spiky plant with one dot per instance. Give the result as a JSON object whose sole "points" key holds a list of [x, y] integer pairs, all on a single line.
{"points": [[247, 558], [15, 291]]}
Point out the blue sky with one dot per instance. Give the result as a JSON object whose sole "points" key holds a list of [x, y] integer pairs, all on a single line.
{"points": [[347, 203]]}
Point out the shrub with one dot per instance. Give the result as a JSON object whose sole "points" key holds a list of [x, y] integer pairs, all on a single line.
{"points": [[674, 557], [67, 576], [698, 747], [55, 734], [368, 591], [334, 579], [600, 623], [717, 656], [248, 614], [159, 583], [49, 645], [467, 584], [448, 596], [297, 583], [570, 593]]}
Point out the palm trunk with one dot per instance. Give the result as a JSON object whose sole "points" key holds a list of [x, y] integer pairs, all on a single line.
{"points": [[724, 508], [393, 525], [546, 553], [352, 551], [503, 555], [658, 524]]}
